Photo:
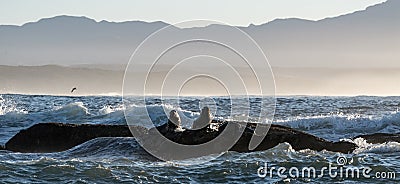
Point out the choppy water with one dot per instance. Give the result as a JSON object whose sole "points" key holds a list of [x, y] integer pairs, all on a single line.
{"points": [[115, 160]]}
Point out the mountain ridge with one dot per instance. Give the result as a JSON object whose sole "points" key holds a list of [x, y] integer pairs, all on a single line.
{"points": [[162, 22], [356, 39]]}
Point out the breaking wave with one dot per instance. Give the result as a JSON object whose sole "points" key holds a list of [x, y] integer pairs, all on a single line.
{"points": [[340, 126]]}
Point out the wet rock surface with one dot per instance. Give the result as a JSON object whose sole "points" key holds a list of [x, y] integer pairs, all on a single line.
{"points": [[56, 137]]}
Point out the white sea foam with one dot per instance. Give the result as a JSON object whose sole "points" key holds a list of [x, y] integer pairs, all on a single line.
{"points": [[349, 125], [365, 147], [108, 109], [72, 110], [9, 107]]}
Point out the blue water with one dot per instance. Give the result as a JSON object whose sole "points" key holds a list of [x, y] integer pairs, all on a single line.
{"points": [[116, 160]]}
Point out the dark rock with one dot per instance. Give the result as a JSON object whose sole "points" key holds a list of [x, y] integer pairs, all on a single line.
{"points": [[56, 137], [298, 140], [378, 138], [277, 134]]}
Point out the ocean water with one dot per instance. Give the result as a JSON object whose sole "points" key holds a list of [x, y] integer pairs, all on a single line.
{"points": [[119, 160]]}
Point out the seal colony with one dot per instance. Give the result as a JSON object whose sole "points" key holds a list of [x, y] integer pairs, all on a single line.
{"points": [[57, 137]]}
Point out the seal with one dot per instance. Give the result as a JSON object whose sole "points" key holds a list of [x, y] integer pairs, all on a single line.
{"points": [[174, 122], [204, 119]]}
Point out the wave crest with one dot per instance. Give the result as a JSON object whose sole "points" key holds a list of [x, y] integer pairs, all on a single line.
{"points": [[73, 110], [339, 126]]}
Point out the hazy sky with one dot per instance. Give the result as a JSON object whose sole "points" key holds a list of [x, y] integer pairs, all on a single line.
{"points": [[234, 12]]}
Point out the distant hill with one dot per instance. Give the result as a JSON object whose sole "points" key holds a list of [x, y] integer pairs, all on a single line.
{"points": [[360, 39], [368, 38]]}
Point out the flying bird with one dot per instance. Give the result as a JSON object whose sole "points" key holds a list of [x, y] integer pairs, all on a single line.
{"points": [[73, 89]]}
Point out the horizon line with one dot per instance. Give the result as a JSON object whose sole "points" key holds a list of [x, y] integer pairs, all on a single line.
{"points": [[115, 94]]}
